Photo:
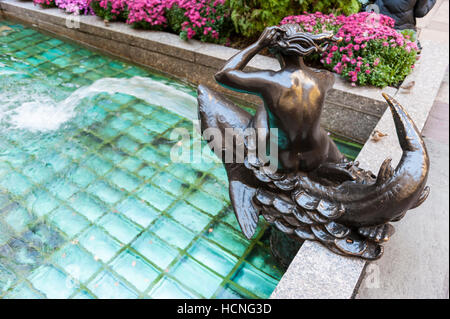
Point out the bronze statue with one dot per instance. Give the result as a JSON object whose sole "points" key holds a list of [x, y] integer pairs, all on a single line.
{"points": [[316, 193]]}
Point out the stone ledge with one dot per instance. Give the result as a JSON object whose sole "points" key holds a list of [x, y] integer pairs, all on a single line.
{"points": [[315, 272], [197, 62]]}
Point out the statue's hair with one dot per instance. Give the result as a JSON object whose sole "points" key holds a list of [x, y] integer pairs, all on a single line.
{"points": [[294, 41]]}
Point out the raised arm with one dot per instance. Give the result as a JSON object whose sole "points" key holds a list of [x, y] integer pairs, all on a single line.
{"points": [[232, 76]]}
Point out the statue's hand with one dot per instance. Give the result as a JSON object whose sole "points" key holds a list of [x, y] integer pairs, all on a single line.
{"points": [[270, 35], [324, 40]]}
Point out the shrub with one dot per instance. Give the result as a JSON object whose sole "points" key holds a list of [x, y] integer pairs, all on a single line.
{"points": [[206, 20], [251, 17], [147, 14], [345, 7], [110, 10], [371, 52]]}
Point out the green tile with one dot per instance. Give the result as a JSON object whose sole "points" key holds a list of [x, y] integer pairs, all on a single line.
{"points": [[37, 172], [99, 244], [150, 155], [205, 202], [56, 161], [98, 165], [109, 104], [254, 280], [131, 115], [155, 250], [130, 163], [170, 289], [172, 232], [143, 108], [68, 221], [113, 154], [216, 188], [18, 219], [52, 282], [119, 228], [228, 238], [196, 277], [135, 270], [107, 132], [41, 203], [15, 183], [74, 149], [147, 172], [170, 183], [89, 140], [120, 124], [7, 279], [79, 264], [155, 126], [185, 172], [62, 62], [155, 197], [81, 176], [87, 206], [124, 180], [105, 192], [231, 292], [213, 257], [137, 211], [263, 259], [62, 189], [127, 144], [77, 196], [22, 291], [106, 286], [83, 295], [190, 217], [140, 134], [166, 117]]}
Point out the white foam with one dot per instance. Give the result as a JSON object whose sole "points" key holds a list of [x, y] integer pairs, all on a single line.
{"points": [[43, 114]]}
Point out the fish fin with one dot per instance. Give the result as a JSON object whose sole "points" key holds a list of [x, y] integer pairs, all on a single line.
{"points": [[386, 171], [423, 196], [241, 196]]}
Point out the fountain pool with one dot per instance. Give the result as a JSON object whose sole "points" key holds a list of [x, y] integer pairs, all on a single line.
{"points": [[91, 206]]}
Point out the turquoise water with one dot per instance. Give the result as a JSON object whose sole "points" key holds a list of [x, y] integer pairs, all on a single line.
{"points": [[91, 206]]}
